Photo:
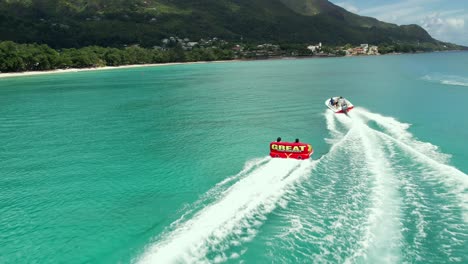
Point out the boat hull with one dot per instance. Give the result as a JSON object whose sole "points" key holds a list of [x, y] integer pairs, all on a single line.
{"points": [[338, 109]]}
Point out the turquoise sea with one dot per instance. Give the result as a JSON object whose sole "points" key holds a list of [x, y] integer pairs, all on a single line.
{"points": [[170, 164]]}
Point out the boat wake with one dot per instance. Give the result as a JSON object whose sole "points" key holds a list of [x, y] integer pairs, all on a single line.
{"points": [[447, 79], [232, 218], [378, 196]]}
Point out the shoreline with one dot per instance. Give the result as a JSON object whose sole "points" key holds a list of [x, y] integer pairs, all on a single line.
{"points": [[70, 70]]}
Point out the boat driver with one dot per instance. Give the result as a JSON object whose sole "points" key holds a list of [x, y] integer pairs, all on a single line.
{"points": [[341, 101]]}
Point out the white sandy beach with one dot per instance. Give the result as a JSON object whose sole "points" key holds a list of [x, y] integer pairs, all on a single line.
{"points": [[31, 73]]}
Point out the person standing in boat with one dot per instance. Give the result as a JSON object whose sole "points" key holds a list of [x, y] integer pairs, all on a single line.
{"points": [[333, 102], [341, 101]]}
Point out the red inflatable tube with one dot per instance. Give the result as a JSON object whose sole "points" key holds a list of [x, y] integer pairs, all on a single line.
{"points": [[288, 150]]}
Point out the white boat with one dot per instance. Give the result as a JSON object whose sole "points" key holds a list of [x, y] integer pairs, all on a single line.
{"points": [[342, 105]]}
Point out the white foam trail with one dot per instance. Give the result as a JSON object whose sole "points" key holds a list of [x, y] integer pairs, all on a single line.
{"points": [[399, 131], [435, 172], [344, 228], [331, 125], [249, 165], [253, 196], [337, 219], [413, 198], [447, 79], [220, 187], [449, 82], [453, 178], [425, 152], [332, 211], [380, 243]]}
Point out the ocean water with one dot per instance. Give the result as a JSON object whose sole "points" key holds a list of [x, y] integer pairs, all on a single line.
{"points": [[170, 164]]}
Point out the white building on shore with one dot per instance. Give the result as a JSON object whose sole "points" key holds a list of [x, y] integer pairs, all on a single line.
{"points": [[315, 48]]}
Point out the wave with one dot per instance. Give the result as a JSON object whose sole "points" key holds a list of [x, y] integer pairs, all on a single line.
{"points": [[447, 79]]}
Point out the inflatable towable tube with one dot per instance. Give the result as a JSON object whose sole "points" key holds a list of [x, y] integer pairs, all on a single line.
{"points": [[289, 150]]}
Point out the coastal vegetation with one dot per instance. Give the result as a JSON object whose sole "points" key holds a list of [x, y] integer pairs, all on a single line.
{"points": [[35, 57], [16, 57], [51, 34]]}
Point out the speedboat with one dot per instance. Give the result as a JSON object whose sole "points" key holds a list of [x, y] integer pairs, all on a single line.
{"points": [[290, 150], [340, 105]]}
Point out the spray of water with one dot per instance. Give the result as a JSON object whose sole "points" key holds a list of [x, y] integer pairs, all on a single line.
{"points": [[233, 217]]}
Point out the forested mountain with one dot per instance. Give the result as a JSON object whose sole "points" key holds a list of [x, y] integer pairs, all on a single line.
{"points": [[114, 23]]}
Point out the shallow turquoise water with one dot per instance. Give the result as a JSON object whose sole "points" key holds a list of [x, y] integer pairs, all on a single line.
{"points": [[168, 164]]}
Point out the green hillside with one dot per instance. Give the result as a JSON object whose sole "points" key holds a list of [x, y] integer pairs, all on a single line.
{"points": [[78, 23]]}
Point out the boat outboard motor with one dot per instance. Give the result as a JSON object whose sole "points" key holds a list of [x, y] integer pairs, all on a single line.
{"points": [[344, 107]]}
